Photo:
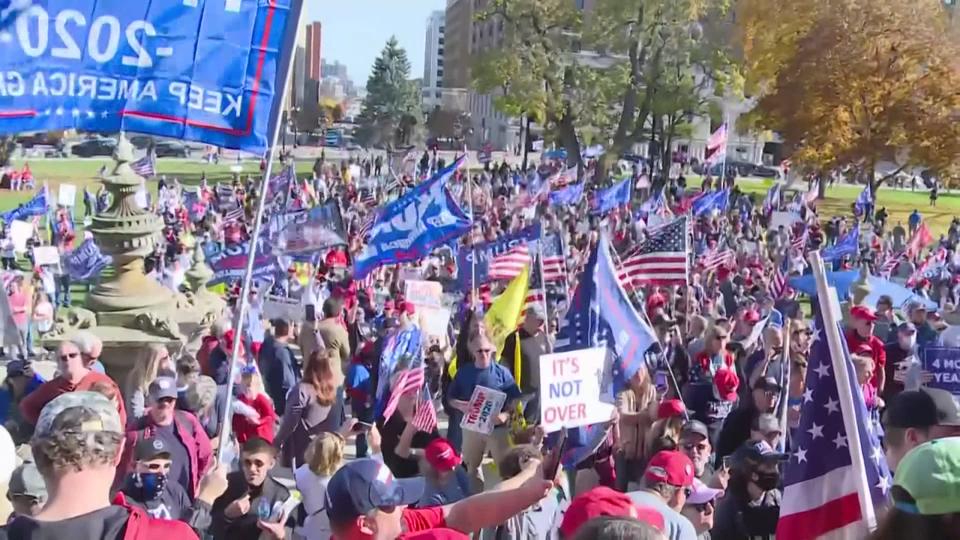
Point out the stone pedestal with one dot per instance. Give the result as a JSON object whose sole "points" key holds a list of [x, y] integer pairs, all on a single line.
{"points": [[130, 310]]}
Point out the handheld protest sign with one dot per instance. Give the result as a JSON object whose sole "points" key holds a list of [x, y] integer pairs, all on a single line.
{"points": [[570, 389]]}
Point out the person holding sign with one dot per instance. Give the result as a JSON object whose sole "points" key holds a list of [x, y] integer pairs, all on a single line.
{"points": [[483, 372]]}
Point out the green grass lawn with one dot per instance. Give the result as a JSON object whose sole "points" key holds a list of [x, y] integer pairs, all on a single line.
{"points": [[83, 172], [899, 203]]}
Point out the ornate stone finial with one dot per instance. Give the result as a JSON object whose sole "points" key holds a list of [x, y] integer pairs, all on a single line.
{"points": [[861, 287], [199, 273], [128, 233]]}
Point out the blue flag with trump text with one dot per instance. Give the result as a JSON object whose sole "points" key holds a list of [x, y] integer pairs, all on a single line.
{"points": [[612, 197], [407, 229], [211, 71], [616, 325], [37, 206]]}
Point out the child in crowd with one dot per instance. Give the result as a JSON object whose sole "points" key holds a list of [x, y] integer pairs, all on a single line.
{"points": [[864, 368], [254, 415]]}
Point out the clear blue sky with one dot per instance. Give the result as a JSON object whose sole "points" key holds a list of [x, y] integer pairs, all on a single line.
{"points": [[355, 31]]}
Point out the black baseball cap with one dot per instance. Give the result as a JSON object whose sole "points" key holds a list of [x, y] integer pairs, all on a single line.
{"points": [[364, 485], [911, 409], [148, 449]]}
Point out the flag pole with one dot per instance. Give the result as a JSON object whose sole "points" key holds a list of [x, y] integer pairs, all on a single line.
{"points": [[473, 242], [225, 423], [829, 309], [543, 282], [646, 320]]}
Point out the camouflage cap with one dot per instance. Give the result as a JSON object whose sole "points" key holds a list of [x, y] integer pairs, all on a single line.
{"points": [[96, 414]]}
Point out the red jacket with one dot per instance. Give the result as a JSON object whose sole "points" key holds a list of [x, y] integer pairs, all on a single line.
{"points": [[31, 405], [877, 352], [190, 433], [140, 526], [207, 346], [245, 429]]}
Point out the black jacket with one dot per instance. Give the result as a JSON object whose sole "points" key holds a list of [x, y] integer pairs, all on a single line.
{"points": [[245, 527]]}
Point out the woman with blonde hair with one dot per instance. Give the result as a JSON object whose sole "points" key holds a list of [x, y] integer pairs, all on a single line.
{"points": [[312, 407], [324, 455], [155, 359]]}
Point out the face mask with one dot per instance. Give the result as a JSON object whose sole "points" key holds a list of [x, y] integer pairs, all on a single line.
{"points": [[767, 481], [907, 343], [151, 484]]}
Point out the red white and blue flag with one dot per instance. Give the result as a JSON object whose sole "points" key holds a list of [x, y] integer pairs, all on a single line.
{"points": [[821, 494], [554, 265], [409, 381]]}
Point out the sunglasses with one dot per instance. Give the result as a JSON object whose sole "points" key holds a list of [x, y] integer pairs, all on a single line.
{"points": [[702, 507], [69, 356], [701, 447]]}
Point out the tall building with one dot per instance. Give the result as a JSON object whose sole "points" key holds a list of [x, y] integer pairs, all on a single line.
{"points": [[313, 49], [458, 26], [333, 69], [433, 62]]}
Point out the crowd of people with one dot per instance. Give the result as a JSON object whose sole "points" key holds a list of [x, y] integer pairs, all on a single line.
{"points": [[345, 422]]}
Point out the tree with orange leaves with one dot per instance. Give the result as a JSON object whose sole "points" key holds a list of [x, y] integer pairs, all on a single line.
{"points": [[849, 84]]}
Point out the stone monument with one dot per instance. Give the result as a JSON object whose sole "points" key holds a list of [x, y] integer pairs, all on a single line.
{"points": [[130, 309], [859, 291]]}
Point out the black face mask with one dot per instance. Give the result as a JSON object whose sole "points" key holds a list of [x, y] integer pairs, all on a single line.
{"points": [[767, 481], [150, 484]]}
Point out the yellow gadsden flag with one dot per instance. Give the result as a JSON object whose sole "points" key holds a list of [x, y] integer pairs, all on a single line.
{"points": [[504, 313]]}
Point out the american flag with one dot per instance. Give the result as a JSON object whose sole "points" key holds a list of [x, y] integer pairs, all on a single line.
{"points": [[930, 268], [368, 198], [409, 380], [717, 145], [820, 495], [507, 266], [890, 263], [364, 229], [563, 178], [145, 166], [234, 215], [778, 281], [717, 258], [554, 265], [536, 294], [425, 418], [660, 260], [799, 243]]}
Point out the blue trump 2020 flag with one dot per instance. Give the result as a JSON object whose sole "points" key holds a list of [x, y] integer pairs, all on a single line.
{"points": [[848, 245], [484, 253], [37, 206], [408, 228], [717, 200], [210, 71], [567, 196], [86, 262], [601, 314], [612, 197]]}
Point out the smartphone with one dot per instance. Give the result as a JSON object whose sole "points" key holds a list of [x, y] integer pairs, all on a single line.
{"points": [[726, 462], [660, 381], [361, 427], [551, 463], [311, 314]]}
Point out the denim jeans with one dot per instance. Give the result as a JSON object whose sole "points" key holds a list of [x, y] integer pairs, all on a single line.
{"points": [[63, 290]]}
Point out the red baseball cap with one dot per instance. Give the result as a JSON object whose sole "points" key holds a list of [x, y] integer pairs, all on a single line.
{"points": [[670, 408], [863, 313], [603, 501], [441, 455], [671, 467], [727, 383], [408, 308], [751, 316]]}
